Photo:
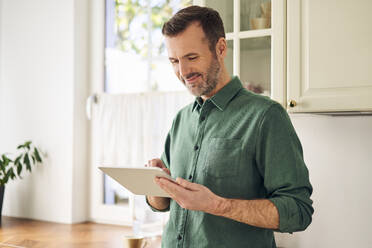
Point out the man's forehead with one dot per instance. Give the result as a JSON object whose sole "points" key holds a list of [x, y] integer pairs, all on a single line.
{"points": [[184, 50], [189, 41]]}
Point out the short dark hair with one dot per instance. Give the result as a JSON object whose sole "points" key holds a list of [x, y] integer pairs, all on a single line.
{"points": [[208, 18]]}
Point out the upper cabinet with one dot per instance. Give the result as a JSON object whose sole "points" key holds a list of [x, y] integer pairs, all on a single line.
{"points": [[255, 34], [329, 55], [309, 55]]}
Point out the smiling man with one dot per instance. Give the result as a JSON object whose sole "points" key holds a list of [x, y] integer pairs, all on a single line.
{"points": [[236, 156]]}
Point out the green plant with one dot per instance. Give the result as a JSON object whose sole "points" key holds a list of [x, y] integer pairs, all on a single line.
{"points": [[28, 156]]}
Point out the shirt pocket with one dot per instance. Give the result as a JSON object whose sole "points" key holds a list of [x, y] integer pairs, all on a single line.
{"points": [[223, 157]]}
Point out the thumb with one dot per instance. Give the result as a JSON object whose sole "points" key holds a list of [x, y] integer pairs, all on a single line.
{"points": [[166, 170], [186, 184]]}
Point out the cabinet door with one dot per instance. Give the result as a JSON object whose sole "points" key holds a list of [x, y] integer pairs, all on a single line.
{"points": [[329, 55], [255, 34]]}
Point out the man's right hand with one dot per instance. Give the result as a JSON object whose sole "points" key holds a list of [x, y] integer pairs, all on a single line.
{"points": [[160, 203]]}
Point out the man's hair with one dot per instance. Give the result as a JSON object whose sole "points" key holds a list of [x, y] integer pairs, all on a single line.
{"points": [[208, 18]]}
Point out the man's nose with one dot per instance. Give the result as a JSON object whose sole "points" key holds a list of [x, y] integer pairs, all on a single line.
{"points": [[183, 68]]}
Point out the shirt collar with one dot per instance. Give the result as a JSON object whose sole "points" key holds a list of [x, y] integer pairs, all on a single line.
{"points": [[223, 96], [198, 103]]}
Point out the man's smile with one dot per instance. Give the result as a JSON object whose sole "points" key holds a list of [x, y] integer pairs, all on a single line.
{"points": [[190, 80]]}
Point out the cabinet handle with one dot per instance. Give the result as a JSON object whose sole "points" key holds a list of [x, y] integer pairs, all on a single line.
{"points": [[292, 103]]}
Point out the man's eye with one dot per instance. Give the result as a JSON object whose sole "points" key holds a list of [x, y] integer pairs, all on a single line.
{"points": [[173, 62], [192, 58]]}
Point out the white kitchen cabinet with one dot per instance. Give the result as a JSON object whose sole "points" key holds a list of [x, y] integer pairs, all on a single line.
{"points": [[329, 55], [317, 55]]}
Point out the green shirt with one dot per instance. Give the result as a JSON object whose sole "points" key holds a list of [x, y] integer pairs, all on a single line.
{"points": [[243, 146]]}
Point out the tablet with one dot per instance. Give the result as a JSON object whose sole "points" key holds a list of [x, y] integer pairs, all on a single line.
{"points": [[139, 181]]}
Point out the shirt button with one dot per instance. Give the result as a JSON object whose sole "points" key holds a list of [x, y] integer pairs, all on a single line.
{"points": [[202, 118], [179, 237], [196, 148], [190, 177]]}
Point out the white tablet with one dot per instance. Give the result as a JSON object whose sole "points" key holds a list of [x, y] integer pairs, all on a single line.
{"points": [[139, 181]]}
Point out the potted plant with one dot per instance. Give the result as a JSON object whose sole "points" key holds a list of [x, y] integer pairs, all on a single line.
{"points": [[27, 157]]}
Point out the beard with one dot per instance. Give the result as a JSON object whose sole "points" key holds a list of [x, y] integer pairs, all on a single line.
{"points": [[209, 80]]}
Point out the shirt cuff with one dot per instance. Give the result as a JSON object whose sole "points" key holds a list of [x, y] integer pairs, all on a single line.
{"points": [[155, 209], [283, 211]]}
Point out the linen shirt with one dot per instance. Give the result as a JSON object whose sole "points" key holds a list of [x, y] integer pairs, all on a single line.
{"points": [[242, 146]]}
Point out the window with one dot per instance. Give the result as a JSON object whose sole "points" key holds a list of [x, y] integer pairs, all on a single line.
{"points": [[135, 55]]}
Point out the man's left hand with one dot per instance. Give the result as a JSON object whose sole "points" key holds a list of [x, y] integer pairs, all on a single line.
{"points": [[192, 196]]}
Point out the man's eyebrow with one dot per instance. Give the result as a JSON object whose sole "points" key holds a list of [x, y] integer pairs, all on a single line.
{"points": [[190, 54], [184, 56]]}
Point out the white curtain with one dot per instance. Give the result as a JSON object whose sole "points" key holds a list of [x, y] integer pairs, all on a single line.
{"points": [[130, 129]]}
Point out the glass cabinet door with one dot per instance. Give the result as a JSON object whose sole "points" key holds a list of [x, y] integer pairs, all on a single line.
{"points": [[255, 32], [255, 64], [255, 14]]}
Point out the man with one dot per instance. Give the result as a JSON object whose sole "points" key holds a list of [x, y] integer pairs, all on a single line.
{"points": [[237, 159]]}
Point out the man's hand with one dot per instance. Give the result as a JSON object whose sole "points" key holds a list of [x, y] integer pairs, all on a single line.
{"points": [[259, 212], [156, 162], [192, 196], [159, 203]]}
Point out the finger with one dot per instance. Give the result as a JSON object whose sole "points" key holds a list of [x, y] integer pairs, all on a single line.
{"points": [[177, 192], [163, 182], [156, 163], [188, 185], [165, 186], [151, 163], [166, 170], [171, 186]]}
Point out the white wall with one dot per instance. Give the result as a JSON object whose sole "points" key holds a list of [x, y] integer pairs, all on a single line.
{"points": [[338, 153], [43, 86], [80, 195]]}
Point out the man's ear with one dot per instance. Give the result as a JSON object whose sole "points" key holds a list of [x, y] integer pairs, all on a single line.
{"points": [[221, 48]]}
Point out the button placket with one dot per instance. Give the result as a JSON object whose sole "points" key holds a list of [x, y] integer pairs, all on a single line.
{"points": [[204, 111], [200, 133]]}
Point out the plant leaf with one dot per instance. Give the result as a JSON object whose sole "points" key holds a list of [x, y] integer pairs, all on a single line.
{"points": [[2, 167], [7, 175], [11, 174], [6, 160], [17, 159], [25, 145], [37, 155], [26, 160], [19, 169]]}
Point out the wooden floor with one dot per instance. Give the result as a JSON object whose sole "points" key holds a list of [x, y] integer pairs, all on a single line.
{"points": [[20, 233]]}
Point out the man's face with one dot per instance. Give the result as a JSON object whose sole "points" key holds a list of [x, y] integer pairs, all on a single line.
{"points": [[193, 62]]}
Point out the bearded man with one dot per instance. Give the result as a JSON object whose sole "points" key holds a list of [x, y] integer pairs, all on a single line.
{"points": [[236, 156]]}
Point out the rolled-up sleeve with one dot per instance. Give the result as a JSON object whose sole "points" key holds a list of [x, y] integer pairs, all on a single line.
{"points": [[279, 157]]}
